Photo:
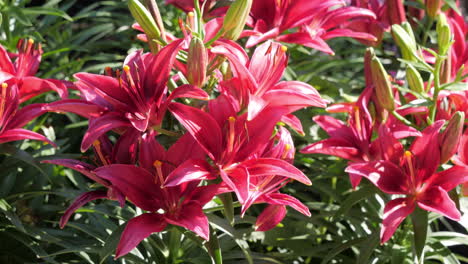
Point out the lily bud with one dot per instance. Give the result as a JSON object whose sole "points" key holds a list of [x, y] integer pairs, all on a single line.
{"points": [[433, 7], [446, 71], [370, 53], [235, 18], [405, 41], [396, 11], [451, 137], [383, 87], [444, 35], [197, 62], [146, 21], [415, 81]]}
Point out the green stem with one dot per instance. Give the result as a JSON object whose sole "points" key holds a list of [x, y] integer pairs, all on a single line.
{"points": [[429, 24], [401, 118], [174, 244], [420, 222], [436, 74], [213, 248]]}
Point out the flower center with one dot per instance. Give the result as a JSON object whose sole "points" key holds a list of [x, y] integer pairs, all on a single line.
{"points": [[98, 149], [158, 166]]}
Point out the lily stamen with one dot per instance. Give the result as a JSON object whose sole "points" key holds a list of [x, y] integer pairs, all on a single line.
{"points": [[232, 123], [357, 119], [409, 159], [286, 150], [98, 149], [3, 99], [158, 166]]}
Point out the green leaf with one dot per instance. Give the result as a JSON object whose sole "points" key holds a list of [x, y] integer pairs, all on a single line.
{"points": [[420, 221], [110, 244], [46, 11]]}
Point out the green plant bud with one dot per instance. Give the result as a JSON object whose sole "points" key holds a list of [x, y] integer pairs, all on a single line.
{"points": [[197, 62], [415, 81], [235, 19], [433, 7], [145, 20], [451, 137], [444, 35], [383, 87], [446, 71], [405, 41]]}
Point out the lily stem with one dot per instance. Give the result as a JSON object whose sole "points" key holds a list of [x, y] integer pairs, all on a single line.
{"points": [[436, 74]]}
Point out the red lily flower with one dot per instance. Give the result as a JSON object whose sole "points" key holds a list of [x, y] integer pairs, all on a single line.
{"points": [[354, 141], [209, 7], [235, 146], [123, 152], [461, 159], [256, 83], [180, 205], [317, 21], [415, 176], [459, 50], [13, 119], [25, 67], [136, 98]]}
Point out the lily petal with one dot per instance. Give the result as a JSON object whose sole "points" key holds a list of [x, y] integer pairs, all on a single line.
{"points": [[137, 229], [191, 216], [436, 199], [385, 175], [270, 217], [394, 213], [269, 166], [79, 202]]}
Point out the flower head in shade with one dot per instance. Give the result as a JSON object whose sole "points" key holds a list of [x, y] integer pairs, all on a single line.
{"points": [[13, 118], [23, 66]]}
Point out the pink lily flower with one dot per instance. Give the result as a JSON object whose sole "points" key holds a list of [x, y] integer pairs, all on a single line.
{"points": [[315, 20], [12, 119], [235, 146], [23, 69], [415, 177], [354, 141], [123, 152], [256, 83], [461, 159], [179, 205], [210, 9], [136, 98]]}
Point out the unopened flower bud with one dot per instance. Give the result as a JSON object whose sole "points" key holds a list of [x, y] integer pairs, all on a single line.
{"points": [[451, 137], [433, 7], [396, 11], [235, 18], [404, 38], [370, 53], [197, 62], [446, 71], [145, 20], [444, 35], [415, 81], [383, 87]]}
